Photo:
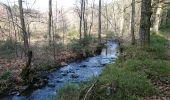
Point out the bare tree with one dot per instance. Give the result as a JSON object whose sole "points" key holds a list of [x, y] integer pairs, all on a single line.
{"points": [[84, 18], [92, 17], [50, 20], [99, 31], [13, 24], [81, 17], [63, 20], [26, 71], [22, 21]]}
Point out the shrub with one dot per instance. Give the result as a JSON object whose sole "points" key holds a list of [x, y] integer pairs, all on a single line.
{"points": [[5, 75], [72, 33], [83, 47], [75, 45], [57, 46], [7, 48]]}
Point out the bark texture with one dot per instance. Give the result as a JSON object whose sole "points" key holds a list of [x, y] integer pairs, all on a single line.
{"points": [[145, 22]]}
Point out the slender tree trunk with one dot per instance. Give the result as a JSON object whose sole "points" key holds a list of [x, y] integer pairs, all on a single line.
{"points": [[84, 18], [145, 22], [26, 71], [53, 35], [81, 16], [99, 31], [23, 30], [92, 17], [29, 34], [63, 25], [50, 20], [107, 28], [122, 21], [133, 23], [157, 18]]}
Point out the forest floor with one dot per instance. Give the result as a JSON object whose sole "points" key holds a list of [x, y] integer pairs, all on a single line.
{"points": [[10, 68], [163, 87]]}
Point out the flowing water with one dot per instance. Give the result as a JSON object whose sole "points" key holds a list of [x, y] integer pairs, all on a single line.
{"points": [[75, 72]]}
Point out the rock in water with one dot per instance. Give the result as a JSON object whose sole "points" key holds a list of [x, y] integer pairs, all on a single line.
{"points": [[83, 66], [74, 75], [64, 74]]}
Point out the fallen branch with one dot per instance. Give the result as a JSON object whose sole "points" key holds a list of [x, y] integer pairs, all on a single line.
{"points": [[89, 90]]}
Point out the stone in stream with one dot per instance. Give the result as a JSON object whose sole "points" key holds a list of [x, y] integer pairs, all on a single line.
{"points": [[64, 74], [83, 66], [59, 80], [14, 92], [51, 85], [74, 75], [66, 71]]}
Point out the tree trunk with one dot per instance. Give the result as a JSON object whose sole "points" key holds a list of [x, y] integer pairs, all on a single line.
{"points": [[50, 20], [99, 31], [63, 26], [157, 18], [133, 23], [81, 16], [145, 22], [84, 18], [92, 13], [23, 30], [26, 71]]}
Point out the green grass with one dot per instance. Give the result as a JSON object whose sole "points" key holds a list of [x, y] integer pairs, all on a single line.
{"points": [[133, 76], [130, 83], [154, 69], [69, 92]]}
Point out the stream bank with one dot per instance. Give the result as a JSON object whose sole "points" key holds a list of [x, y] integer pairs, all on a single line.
{"points": [[75, 72]]}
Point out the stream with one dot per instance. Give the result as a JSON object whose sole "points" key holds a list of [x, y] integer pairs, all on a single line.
{"points": [[75, 72]]}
